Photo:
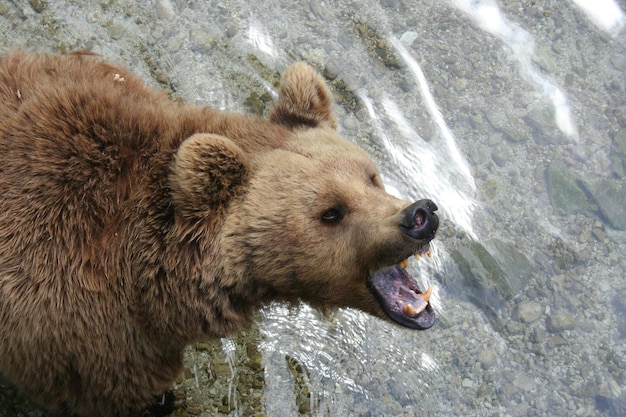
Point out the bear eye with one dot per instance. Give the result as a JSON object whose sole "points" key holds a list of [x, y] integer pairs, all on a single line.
{"points": [[333, 215]]}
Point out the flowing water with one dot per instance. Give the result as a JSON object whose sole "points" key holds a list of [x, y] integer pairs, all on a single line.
{"points": [[511, 115]]}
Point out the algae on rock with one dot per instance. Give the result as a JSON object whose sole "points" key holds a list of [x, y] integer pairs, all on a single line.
{"points": [[565, 192], [493, 275]]}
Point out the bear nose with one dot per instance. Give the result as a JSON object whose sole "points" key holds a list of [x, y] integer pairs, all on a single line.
{"points": [[419, 220]]}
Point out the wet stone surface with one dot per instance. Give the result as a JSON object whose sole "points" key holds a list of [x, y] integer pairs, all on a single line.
{"points": [[610, 195], [565, 191]]}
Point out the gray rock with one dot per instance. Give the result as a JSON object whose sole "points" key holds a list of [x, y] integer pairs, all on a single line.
{"points": [[203, 39], [487, 358], [493, 273], [559, 322], [467, 383], [514, 327], [524, 382], [118, 28], [527, 312], [500, 155], [564, 190], [541, 118], [165, 9], [486, 282], [517, 268], [556, 341], [620, 141], [610, 195], [543, 125], [539, 335], [509, 125], [609, 397]]}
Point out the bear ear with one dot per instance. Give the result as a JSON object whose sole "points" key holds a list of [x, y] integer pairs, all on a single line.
{"points": [[207, 172], [304, 99]]}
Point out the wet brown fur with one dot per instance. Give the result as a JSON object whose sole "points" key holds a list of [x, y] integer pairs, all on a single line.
{"points": [[132, 225]]}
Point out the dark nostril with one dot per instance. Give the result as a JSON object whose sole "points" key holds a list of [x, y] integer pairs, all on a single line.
{"points": [[419, 220], [420, 217]]}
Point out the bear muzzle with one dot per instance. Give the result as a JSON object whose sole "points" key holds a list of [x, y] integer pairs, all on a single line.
{"points": [[397, 292]]}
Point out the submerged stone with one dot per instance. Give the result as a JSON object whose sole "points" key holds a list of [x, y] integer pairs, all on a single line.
{"points": [[517, 268], [620, 141], [564, 190], [610, 195], [487, 358], [480, 270], [528, 312], [560, 321], [492, 276], [544, 126], [408, 38]]}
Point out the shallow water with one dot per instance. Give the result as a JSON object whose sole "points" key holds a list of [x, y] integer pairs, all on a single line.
{"points": [[511, 115]]}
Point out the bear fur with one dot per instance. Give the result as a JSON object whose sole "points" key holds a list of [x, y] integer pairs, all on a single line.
{"points": [[132, 225]]}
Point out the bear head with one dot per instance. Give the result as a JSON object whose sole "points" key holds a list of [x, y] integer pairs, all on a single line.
{"points": [[307, 218]]}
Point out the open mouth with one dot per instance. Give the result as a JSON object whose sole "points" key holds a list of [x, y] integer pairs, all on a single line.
{"points": [[401, 298]]}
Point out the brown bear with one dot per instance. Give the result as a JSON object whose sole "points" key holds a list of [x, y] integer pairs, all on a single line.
{"points": [[132, 225]]}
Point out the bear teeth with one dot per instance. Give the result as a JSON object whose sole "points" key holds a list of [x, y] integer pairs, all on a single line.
{"points": [[426, 296], [429, 253], [410, 311], [404, 264]]}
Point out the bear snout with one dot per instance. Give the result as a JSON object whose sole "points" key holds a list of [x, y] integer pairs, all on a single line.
{"points": [[419, 221]]}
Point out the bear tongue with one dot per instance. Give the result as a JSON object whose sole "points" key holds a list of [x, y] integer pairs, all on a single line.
{"points": [[401, 298]]}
